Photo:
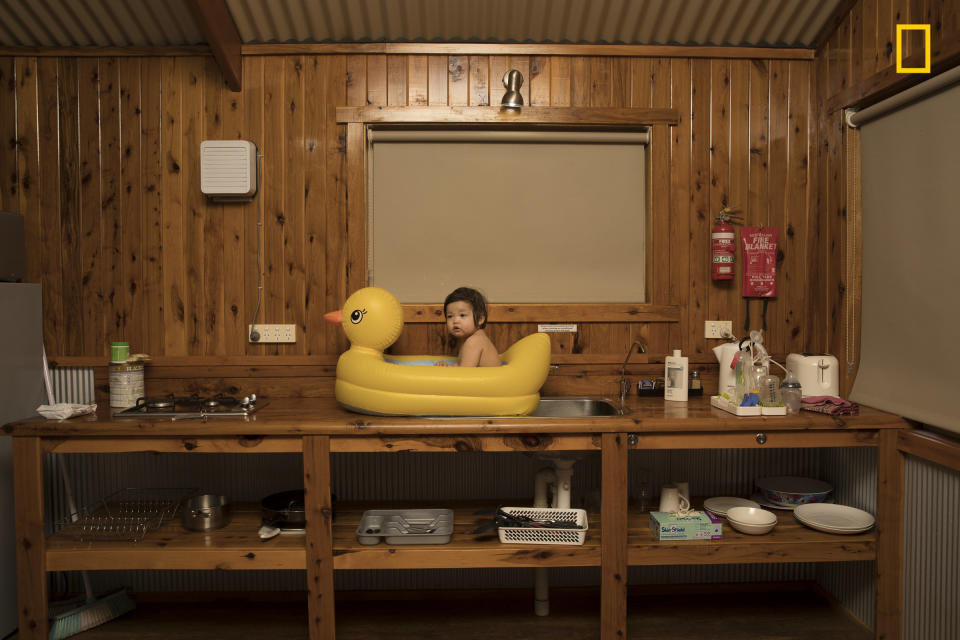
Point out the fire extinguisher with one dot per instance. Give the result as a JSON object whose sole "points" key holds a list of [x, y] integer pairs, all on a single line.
{"points": [[723, 245]]}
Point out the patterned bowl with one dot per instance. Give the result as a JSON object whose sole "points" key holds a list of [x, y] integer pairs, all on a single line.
{"points": [[790, 491]]}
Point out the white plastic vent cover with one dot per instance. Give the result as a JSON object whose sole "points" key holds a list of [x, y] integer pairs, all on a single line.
{"points": [[228, 168]]}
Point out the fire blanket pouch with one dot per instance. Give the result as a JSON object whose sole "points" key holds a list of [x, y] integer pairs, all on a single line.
{"points": [[760, 261]]}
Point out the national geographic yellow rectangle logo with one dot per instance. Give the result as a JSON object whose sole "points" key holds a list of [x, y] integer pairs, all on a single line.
{"points": [[925, 28]]}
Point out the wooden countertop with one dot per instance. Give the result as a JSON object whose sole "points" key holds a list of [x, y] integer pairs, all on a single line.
{"points": [[323, 416]]}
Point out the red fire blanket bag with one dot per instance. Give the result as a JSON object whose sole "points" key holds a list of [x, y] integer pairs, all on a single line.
{"points": [[760, 261]]}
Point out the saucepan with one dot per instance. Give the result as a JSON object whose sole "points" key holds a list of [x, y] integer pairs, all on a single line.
{"points": [[206, 512]]}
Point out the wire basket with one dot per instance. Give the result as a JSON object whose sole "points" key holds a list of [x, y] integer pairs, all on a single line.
{"points": [[535, 535], [127, 515]]}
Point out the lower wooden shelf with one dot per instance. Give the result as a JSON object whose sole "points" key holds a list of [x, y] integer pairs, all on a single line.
{"points": [[789, 541], [238, 547]]}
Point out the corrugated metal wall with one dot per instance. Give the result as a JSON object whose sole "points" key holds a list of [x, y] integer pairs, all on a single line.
{"points": [[931, 558], [853, 473], [932, 513]]}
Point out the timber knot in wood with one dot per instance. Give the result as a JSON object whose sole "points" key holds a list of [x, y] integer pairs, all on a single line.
{"points": [[190, 445], [250, 441], [462, 446], [250, 555]]}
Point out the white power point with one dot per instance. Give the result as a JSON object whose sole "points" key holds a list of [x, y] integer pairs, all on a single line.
{"points": [[272, 333], [717, 329]]}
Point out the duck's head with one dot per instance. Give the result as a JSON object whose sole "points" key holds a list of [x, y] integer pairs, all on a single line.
{"points": [[372, 317]]}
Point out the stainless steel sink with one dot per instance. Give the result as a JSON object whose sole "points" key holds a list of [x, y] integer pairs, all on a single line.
{"points": [[577, 408], [561, 408]]}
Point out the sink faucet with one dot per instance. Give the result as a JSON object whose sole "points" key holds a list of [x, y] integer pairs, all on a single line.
{"points": [[624, 385]]}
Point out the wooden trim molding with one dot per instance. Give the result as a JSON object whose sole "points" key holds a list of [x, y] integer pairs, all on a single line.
{"points": [[887, 82], [930, 446], [490, 49], [497, 115], [106, 52], [218, 28], [421, 313]]}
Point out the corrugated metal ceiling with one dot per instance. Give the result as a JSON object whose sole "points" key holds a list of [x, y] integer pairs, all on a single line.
{"points": [[768, 23]]}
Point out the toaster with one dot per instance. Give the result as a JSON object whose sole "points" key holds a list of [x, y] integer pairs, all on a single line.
{"points": [[818, 373]]}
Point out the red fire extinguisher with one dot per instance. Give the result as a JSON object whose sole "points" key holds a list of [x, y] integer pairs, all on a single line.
{"points": [[723, 245]]}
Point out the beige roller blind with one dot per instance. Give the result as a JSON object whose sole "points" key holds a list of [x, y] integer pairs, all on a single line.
{"points": [[911, 262], [524, 216]]}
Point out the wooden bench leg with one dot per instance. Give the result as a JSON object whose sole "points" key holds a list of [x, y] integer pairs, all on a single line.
{"points": [[31, 539], [613, 543], [319, 537], [890, 479]]}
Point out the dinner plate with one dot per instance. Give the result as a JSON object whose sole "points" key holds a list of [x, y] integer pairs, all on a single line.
{"points": [[763, 502], [834, 518], [721, 504]]}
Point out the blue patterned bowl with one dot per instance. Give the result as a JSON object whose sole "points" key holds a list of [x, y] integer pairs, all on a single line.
{"points": [[790, 491]]}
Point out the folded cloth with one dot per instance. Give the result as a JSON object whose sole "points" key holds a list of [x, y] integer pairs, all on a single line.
{"points": [[830, 405], [64, 410]]}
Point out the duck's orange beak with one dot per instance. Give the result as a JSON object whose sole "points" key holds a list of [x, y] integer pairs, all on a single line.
{"points": [[334, 317]]}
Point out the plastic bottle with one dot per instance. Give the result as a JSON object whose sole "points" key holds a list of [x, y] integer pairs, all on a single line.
{"points": [[791, 393], [676, 374], [770, 390]]}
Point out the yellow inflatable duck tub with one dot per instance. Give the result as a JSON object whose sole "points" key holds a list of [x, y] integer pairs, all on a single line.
{"points": [[369, 382]]}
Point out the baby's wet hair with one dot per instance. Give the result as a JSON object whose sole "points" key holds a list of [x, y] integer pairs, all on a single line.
{"points": [[476, 300]]}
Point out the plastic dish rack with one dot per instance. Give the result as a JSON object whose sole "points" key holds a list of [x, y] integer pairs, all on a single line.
{"points": [[127, 515], [533, 535]]}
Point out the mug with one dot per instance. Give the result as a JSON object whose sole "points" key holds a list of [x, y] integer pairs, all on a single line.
{"points": [[672, 501], [684, 489]]}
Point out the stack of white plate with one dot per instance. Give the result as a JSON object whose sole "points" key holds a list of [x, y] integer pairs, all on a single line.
{"points": [[721, 504], [834, 518]]}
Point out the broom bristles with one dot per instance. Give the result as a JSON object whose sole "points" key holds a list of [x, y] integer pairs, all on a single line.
{"points": [[90, 615]]}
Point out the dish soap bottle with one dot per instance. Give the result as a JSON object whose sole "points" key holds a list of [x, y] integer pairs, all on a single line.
{"points": [[675, 376]]}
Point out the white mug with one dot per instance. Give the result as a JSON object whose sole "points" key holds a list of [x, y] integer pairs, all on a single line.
{"points": [[672, 501], [684, 489]]}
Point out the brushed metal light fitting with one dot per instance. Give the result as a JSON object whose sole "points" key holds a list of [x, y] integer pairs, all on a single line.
{"points": [[512, 81]]}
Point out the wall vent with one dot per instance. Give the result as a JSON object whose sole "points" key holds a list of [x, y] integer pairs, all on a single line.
{"points": [[228, 169]]}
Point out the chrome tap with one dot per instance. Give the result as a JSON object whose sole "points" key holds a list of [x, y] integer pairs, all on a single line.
{"points": [[624, 385]]}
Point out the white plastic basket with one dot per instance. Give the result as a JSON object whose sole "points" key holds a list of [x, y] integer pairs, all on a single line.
{"points": [[529, 535]]}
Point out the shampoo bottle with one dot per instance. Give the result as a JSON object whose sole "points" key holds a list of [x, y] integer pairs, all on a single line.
{"points": [[675, 375]]}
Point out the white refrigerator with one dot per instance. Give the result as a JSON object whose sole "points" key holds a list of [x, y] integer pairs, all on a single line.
{"points": [[21, 392]]}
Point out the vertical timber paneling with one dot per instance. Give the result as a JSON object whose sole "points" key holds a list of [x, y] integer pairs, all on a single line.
{"points": [[131, 248]]}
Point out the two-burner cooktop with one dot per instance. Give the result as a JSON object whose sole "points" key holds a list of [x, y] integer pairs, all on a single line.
{"points": [[193, 407]]}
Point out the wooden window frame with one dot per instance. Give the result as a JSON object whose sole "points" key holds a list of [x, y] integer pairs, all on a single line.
{"points": [[357, 121]]}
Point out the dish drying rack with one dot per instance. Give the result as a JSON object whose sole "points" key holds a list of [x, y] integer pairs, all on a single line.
{"points": [[126, 515]]}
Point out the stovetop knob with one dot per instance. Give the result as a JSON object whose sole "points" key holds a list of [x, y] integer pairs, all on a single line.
{"points": [[253, 398], [245, 401]]}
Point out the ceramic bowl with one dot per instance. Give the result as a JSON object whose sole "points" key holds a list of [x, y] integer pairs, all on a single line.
{"points": [[751, 520], [791, 491]]}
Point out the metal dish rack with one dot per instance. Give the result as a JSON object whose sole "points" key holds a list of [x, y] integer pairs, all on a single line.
{"points": [[126, 515]]}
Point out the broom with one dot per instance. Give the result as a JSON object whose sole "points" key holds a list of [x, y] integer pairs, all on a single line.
{"points": [[94, 611]]}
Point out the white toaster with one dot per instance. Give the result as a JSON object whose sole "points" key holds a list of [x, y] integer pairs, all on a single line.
{"points": [[818, 373]]}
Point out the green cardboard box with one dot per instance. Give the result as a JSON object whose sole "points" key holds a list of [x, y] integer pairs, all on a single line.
{"points": [[697, 525]]}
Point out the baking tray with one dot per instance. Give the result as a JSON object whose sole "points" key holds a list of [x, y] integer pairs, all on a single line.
{"points": [[405, 526]]}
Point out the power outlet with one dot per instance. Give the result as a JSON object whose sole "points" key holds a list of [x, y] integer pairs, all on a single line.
{"points": [[274, 333], [717, 329]]}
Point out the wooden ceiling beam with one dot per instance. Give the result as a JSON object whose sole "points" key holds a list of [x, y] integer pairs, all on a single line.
{"points": [[215, 21]]}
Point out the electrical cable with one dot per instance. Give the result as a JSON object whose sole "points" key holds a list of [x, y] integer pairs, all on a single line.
{"points": [[254, 334]]}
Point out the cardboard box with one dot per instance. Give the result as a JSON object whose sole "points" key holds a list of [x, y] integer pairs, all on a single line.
{"points": [[697, 525]]}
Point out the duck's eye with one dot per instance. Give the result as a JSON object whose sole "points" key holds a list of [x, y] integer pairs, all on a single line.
{"points": [[356, 316]]}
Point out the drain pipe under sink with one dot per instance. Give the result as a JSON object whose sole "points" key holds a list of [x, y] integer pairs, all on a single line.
{"points": [[559, 478]]}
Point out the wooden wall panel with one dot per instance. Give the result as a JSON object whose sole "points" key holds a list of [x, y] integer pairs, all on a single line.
{"points": [[177, 275], [856, 67]]}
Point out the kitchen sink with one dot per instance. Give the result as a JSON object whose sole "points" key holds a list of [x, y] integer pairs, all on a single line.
{"points": [[577, 408], [562, 408]]}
